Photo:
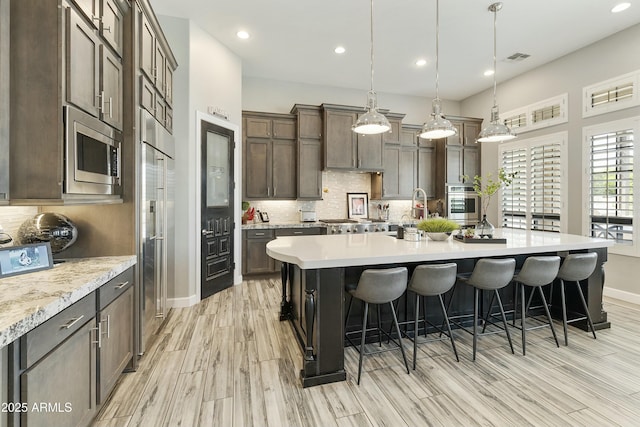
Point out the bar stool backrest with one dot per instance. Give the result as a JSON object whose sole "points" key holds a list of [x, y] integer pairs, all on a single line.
{"points": [[433, 279], [379, 286], [492, 273], [539, 270], [578, 267]]}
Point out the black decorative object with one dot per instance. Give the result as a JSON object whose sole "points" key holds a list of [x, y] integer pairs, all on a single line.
{"points": [[50, 227]]}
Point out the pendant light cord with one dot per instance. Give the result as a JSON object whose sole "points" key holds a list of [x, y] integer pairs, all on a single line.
{"points": [[495, 15], [437, 48], [371, 44]]}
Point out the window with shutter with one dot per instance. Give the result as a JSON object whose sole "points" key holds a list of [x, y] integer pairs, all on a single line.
{"points": [[536, 198], [614, 94], [610, 161]]}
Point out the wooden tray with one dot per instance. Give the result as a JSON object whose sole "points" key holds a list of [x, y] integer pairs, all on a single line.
{"points": [[477, 240]]}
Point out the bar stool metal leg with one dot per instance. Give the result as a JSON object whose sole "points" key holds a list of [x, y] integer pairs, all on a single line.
{"points": [[446, 320], [364, 334], [395, 322]]}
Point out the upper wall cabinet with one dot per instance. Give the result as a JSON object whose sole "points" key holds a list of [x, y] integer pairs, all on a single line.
{"points": [[156, 64], [269, 151], [309, 178], [346, 150], [459, 155], [69, 55]]}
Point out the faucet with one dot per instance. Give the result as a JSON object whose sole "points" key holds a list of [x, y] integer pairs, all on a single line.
{"points": [[415, 212]]}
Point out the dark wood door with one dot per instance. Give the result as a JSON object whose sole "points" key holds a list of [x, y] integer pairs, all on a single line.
{"points": [[216, 208]]}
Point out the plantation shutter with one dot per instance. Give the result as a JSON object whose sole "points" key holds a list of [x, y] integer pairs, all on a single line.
{"points": [[611, 186], [545, 187], [514, 197]]}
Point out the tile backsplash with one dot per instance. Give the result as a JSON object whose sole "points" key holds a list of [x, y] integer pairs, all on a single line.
{"points": [[336, 185], [11, 217]]}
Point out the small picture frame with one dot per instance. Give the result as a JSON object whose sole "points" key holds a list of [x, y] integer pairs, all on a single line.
{"points": [[358, 205], [23, 259]]}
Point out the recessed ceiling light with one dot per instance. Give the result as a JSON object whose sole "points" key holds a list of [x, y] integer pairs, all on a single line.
{"points": [[339, 50], [421, 62], [620, 7], [488, 73], [242, 35]]}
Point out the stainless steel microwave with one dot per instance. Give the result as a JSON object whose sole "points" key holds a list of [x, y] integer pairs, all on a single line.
{"points": [[92, 155]]}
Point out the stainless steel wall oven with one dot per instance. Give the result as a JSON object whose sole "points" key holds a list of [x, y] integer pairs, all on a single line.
{"points": [[463, 204]]}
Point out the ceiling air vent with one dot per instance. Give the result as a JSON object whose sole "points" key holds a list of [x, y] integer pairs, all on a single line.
{"points": [[517, 57]]}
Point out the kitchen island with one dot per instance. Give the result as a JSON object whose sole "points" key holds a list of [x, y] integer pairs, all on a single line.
{"points": [[316, 268]]}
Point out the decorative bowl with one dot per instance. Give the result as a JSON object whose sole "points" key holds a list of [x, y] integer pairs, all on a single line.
{"points": [[438, 237]]}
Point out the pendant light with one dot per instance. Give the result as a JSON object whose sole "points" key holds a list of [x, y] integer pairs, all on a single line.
{"points": [[438, 127], [495, 131], [372, 122]]}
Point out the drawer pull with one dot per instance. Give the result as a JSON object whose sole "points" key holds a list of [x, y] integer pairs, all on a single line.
{"points": [[71, 322], [297, 232], [121, 285], [259, 234]]}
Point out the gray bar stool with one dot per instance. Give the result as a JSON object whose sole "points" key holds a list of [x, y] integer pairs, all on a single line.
{"points": [[378, 286], [428, 281], [574, 268], [490, 275], [536, 272]]}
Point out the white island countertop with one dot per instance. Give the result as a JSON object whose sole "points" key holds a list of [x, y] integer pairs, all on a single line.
{"points": [[328, 251], [29, 300]]}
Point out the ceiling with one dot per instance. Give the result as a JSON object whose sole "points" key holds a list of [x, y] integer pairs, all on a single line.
{"points": [[294, 40]]}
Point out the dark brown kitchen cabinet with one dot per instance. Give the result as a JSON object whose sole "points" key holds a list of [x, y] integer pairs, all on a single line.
{"points": [[346, 150], [309, 177], [254, 251], [58, 366], [270, 154], [254, 247], [94, 73], [157, 64], [459, 155], [107, 17], [115, 320], [399, 177], [426, 171], [56, 61]]}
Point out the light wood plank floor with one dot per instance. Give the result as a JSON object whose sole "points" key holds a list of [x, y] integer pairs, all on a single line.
{"points": [[229, 361]]}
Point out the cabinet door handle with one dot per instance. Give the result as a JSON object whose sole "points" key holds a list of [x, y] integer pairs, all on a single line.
{"points": [[71, 322], [110, 107], [274, 190], [108, 331], [107, 29], [121, 285], [268, 191], [98, 334]]}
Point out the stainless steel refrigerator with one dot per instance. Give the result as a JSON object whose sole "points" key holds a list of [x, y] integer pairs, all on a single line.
{"points": [[156, 225]]}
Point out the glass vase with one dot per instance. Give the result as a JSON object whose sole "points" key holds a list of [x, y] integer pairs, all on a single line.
{"points": [[485, 228]]}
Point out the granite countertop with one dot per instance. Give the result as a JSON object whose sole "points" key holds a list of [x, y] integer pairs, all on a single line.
{"points": [[282, 224], [29, 300], [343, 250]]}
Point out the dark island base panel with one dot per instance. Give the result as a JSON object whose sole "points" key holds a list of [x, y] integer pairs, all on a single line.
{"points": [[313, 301]]}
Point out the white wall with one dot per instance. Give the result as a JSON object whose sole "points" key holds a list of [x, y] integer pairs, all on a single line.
{"points": [[278, 97], [208, 74], [610, 57]]}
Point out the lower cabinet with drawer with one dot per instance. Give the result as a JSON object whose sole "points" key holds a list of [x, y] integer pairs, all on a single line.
{"points": [[64, 369], [58, 363], [254, 247], [115, 323]]}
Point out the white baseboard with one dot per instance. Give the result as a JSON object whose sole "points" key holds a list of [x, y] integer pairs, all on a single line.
{"points": [[182, 302], [621, 295]]}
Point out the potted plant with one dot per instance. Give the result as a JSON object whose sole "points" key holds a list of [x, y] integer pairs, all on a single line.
{"points": [[438, 228], [485, 188]]}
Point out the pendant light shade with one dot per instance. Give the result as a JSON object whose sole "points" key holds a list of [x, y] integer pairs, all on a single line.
{"points": [[495, 131], [438, 127], [371, 122]]}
